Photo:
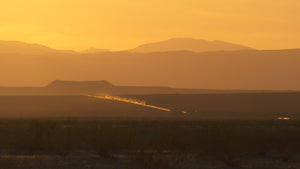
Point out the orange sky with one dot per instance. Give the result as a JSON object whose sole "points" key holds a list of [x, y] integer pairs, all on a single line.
{"points": [[124, 24]]}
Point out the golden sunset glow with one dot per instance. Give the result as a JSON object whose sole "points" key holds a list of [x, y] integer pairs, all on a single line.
{"points": [[149, 84], [119, 24]]}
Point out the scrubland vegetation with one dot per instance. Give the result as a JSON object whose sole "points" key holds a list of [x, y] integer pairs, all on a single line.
{"points": [[154, 144]]}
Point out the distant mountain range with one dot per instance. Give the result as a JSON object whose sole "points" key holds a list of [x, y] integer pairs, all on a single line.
{"points": [[16, 47], [25, 64], [176, 44], [188, 44]]}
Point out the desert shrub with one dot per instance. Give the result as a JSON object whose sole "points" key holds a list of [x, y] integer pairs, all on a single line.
{"points": [[286, 142], [222, 143], [155, 160], [103, 141], [154, 143], [32, 137], [62, 142]]}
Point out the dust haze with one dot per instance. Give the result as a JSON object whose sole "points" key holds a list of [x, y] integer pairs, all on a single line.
{"points": [[136, 84]]}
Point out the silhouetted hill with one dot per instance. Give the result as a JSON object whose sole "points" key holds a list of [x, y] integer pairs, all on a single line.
{"points": [[188, 44], [16, 47]]}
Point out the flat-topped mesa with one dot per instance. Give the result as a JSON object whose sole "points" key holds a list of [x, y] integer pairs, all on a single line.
{"points": [[61, 84]]}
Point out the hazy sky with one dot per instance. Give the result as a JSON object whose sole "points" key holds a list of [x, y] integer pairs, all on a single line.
{"points": [[123, 24]]}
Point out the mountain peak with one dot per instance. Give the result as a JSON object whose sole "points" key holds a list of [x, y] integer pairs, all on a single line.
{"points": [[188, 44]]}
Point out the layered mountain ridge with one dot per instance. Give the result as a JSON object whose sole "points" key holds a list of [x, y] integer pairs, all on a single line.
{"points": [[214, 70]]}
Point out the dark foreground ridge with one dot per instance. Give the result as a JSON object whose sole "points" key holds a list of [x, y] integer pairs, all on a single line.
{"points": [[149, 144]]}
